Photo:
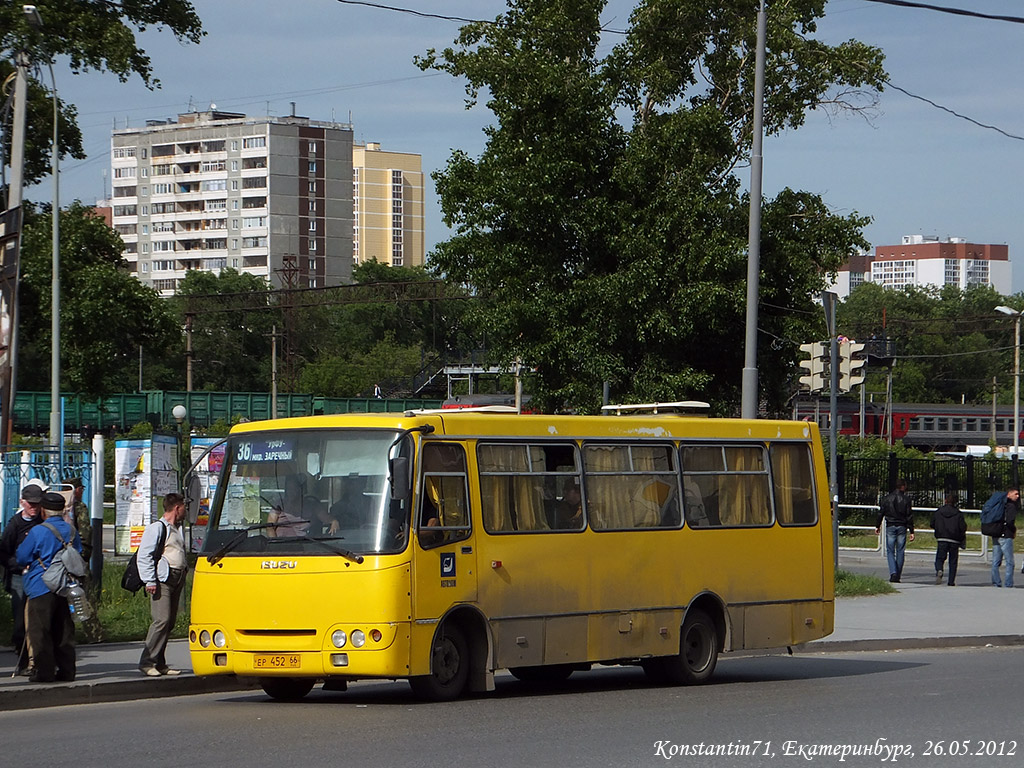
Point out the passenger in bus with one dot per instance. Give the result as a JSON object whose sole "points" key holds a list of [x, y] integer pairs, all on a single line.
{"points": [[569, 510], [693, 501], [350, 511], [296, 510]]}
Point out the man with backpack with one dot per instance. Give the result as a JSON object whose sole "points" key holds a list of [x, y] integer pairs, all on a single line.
{"points": [[999, 520], [50, 629], [162, 568], [898, 515]]}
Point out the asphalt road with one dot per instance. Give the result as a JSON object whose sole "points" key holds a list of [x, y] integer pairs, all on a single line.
{"points": [[908, 707]]}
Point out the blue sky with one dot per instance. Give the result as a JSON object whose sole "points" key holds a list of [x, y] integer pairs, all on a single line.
{"points": [[913, 168]]}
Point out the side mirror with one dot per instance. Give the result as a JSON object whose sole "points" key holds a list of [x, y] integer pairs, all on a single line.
{"points": [[401, 479], [193, 494]]}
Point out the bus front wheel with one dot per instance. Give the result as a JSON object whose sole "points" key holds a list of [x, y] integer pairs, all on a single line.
{"points": [[698, 653], [449, 667], [286, 688]]}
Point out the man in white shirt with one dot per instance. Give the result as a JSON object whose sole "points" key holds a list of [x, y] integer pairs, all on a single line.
{"points": [[162, 569]]}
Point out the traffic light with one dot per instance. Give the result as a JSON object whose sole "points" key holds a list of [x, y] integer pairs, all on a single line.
{"points": [[851, 365], [816, 377]]}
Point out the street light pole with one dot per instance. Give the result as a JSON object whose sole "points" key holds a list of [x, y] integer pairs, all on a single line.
{"points": [[1016, 373], [56, 433]]}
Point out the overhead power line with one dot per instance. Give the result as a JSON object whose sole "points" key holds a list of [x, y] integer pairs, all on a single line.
{"points": [[954, 11]]}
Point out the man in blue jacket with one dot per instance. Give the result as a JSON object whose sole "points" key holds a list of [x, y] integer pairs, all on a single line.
{"points": [[50, 629]]}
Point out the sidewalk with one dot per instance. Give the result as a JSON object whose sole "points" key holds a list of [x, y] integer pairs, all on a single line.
{"points": [[109, 672], [920, 615]]}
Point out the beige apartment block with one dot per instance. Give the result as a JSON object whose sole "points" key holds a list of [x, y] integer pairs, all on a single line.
{"points": [[387, 206]]}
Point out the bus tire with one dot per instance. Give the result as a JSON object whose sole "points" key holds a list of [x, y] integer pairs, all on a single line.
{"points": [[551, 673], [698, 654], [287, 688], [449, 667]]}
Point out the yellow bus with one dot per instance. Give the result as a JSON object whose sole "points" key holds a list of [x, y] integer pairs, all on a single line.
{"points": [[442, 546]]}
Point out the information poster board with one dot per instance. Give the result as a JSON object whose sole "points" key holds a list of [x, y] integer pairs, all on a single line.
{"points": [[144, 472]]}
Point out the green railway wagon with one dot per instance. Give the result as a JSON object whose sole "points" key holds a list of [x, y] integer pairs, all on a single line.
{"points": [[329, 405], [207, 408], [121, 411]]}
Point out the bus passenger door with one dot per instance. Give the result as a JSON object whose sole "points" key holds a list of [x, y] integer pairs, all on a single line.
{"points": [[445, 557]]}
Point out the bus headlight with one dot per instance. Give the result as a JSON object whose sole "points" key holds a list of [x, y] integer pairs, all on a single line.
{"points": [[219, 639], [204, 639], [339, 638], [358, 638]]}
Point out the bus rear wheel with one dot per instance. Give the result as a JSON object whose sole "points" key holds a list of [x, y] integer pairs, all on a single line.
{"points": [[698, 654], [551, 673], [449, 667], [287, 688]]}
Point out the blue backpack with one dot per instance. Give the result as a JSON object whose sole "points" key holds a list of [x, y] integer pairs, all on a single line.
{"points": [[992, 514]]}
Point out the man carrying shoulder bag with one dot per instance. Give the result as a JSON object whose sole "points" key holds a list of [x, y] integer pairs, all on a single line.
{"points": [[164, 577]]}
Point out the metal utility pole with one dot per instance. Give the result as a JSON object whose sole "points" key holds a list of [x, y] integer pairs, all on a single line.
{"points": [[56, 431], [749, 396], [13, 221], [828, 300]]}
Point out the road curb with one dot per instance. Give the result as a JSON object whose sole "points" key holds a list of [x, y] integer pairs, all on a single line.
{"points": [[908, 643], [41, 695]]}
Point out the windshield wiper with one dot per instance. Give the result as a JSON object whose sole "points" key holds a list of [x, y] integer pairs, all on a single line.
{"points": [[236, 539], [357, 559]]}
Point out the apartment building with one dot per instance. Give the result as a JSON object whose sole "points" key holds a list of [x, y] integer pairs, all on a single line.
{"points": [[387, 195], [270, 196], [922, 260]]}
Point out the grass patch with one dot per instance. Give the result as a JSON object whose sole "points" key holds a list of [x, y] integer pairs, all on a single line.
{"points": [[858, 585], [123, 616]]}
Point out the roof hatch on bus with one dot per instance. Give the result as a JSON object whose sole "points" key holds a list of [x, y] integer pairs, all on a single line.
{"points": [[681, 407]]}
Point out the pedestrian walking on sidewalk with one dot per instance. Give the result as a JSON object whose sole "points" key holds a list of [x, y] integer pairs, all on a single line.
{"points": [[163, 571], [898, 515], [950, 536], [1002, 541]]}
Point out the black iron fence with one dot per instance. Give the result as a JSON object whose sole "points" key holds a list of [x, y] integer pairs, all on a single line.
{"points": [[971, 479]]}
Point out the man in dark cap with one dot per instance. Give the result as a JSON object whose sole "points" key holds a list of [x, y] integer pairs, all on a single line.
{"points": [[50, 629], [14, 533]]}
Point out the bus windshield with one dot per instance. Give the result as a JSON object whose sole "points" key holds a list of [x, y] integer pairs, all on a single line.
{"points": [[308, 492]]}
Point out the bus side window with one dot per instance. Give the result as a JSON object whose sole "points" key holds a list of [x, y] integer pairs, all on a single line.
{"points": [[793, 483], [444, 505]]}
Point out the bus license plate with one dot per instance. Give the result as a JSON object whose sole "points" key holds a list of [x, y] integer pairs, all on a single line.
{"points": [[276, 661]]}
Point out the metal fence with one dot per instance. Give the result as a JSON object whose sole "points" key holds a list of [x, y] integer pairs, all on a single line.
{"points": [[865, 481]]}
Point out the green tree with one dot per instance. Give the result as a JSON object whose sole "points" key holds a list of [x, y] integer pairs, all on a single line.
{"points": [[39, 128], [93, 36], [106, 314], [604, 228], [945, 345], [354, 373], [232, 327]]}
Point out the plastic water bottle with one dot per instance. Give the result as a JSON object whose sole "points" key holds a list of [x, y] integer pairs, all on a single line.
{"points": [[78, 602]]}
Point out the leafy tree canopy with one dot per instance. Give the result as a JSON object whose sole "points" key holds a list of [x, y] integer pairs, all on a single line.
{"points": [[97, 35], [604, 226], [106, 314], [231, 342], [944, 345], [92, 35]]}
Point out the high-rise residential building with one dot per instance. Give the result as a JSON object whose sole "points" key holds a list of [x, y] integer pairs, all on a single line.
{"points": [[387, 194], [921, 260], [269, 196]]}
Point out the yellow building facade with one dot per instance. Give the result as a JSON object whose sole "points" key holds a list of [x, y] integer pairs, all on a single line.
{"points": [[388, 216]]}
